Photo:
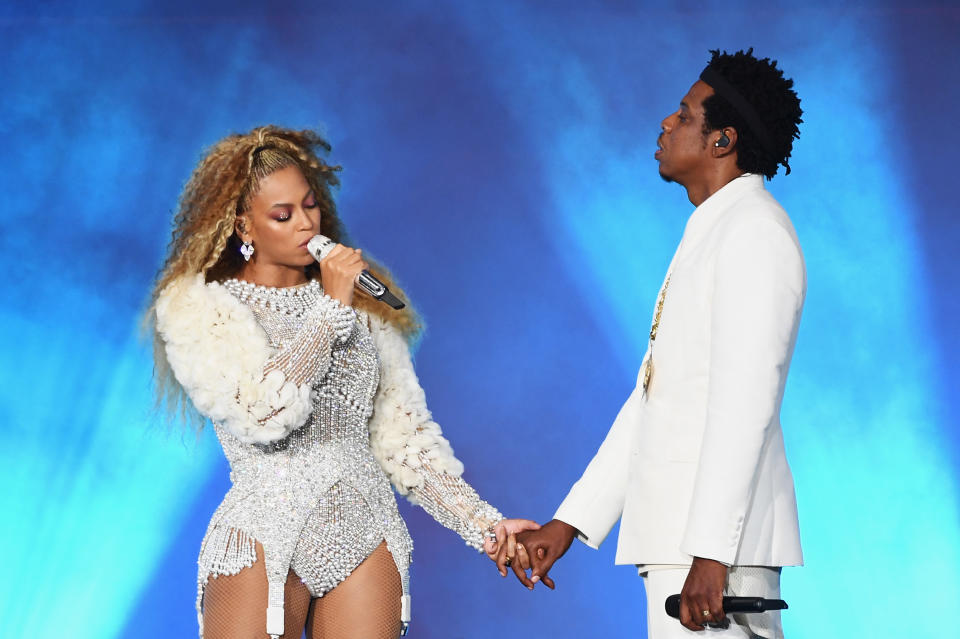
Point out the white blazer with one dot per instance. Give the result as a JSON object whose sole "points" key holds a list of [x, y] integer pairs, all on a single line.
{"points": [[697, 466]]}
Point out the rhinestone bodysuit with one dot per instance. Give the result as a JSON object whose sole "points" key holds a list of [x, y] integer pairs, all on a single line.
{"points": [[317, 500]]}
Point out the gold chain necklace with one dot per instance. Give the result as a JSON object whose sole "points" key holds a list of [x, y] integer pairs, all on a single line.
{"points": [[648, 366]]}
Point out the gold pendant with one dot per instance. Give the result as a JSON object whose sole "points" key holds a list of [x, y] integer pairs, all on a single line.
{"points": [[647, 374]]}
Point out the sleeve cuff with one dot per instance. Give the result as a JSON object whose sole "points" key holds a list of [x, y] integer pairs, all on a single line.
{"points": [[589, 531], [342, 318]]}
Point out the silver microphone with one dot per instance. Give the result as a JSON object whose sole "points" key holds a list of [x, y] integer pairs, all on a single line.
{"points": [[320, 246]]}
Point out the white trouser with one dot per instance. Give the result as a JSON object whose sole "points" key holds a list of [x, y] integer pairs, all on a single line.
{"points": [[661, 583]]}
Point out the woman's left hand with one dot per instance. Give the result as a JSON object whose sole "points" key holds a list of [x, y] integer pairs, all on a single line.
{"points": [[506, 531]]}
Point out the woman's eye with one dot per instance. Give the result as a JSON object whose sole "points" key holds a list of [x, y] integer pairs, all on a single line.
{"points": [[312, 204], [282, 217]]}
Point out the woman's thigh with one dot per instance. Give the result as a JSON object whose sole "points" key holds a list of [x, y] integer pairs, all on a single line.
{"points": [[235, 606], [365, 604]]}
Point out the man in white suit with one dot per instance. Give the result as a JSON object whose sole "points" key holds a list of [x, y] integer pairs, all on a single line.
{"points": [[694, 465]]}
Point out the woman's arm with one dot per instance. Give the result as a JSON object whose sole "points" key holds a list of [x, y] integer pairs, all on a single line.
{"points": [[412, 450], [225, 363]]}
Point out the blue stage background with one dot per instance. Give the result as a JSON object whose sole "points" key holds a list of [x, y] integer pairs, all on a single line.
{"points": [[498, 157]]}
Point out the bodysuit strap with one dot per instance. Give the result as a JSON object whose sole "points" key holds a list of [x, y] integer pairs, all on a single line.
{"points": [[277, 570], [275, 610]]}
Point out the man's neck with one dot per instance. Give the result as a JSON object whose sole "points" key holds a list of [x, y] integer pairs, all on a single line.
{"points": [[710, 183]]}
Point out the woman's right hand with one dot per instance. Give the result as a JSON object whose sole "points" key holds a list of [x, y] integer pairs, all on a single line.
{"points": [[339, 271]]}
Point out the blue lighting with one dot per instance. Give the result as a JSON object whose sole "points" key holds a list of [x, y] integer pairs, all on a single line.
{"points": [[498, 156]]}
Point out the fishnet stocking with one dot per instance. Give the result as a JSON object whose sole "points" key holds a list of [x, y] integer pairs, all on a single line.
{"points": [[366, 604], [235, 606]]}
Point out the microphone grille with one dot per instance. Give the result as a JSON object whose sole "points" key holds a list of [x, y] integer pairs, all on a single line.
{"points": [[319, 246]]}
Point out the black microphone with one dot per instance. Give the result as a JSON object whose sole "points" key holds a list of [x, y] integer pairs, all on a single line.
{"points": [[731, 604], [319, 246]]}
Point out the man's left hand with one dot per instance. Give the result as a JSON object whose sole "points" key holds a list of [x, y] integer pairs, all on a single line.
{"points": [[701, 600]]}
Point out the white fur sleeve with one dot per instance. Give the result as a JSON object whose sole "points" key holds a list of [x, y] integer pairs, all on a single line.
{"points": [[225, 363], [411, 449]]}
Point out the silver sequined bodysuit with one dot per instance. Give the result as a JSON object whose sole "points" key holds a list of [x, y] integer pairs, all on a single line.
{"points": [[317, 500]]}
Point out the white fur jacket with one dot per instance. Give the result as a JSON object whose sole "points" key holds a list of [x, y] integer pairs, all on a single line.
{"points": [[223, 360]]}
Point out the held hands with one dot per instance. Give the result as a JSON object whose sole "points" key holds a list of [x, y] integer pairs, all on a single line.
{"points": [[535, 549], [507, 552], [339, 271], [701, 599], [506, 533]]}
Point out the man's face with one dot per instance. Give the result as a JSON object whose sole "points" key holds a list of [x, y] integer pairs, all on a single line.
{"points": [[684, 154]]}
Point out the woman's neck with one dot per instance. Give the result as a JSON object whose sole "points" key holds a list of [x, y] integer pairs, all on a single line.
{"points": [[274, 275]]}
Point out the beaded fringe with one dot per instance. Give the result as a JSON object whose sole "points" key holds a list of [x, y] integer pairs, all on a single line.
{"points": [[229, 551], [226, 551]]}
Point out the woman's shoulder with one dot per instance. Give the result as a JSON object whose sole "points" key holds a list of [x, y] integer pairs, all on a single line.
{"points": [[390, 340], [190, 300], [380, 329]]}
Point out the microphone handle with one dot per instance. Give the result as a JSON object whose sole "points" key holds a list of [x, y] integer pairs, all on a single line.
{"points": [[731, 605], [377, 290], [370, 284], [752, 604]]}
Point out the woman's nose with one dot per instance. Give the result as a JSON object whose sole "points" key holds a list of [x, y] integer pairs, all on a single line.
{"points": [[307, 220]]}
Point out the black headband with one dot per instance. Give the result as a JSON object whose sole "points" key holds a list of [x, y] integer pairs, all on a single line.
{"points": [[726, 91]]}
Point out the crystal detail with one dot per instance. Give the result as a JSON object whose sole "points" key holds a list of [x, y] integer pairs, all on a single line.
{"points": [[317, 500]]}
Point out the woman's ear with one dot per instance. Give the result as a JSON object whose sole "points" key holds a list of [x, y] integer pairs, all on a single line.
{"points": [[241, 228]]}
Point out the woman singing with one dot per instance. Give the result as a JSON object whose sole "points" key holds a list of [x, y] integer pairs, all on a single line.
{"points": [[313, 396]]}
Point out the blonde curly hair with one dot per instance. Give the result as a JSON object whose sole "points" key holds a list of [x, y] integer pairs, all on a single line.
{"points": [[204, 239]]}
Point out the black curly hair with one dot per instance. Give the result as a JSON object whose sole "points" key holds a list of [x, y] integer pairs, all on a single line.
{"points": [[763, 86]]}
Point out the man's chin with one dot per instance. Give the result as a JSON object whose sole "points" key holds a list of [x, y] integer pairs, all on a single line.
{"points": [[663, 176]]}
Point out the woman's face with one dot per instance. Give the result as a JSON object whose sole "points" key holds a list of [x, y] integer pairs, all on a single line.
{"points": [[282, 218]]}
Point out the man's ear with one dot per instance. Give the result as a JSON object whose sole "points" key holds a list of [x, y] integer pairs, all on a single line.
{"points": [[724, 141]]}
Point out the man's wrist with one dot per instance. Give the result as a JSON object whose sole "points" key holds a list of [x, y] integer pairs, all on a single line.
{"points": [[569, 532], [711, 561]]}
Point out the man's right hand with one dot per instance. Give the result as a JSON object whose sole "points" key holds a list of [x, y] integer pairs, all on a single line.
{"points": [[539, 549]]}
